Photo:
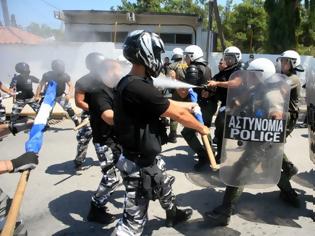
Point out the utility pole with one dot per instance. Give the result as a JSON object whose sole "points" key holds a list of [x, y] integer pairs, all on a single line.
{"points": [[210, 11], [219, 24], [5, 12]]}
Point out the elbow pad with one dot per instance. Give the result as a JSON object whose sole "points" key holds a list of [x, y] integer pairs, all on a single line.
{"points": [[192, 75]]}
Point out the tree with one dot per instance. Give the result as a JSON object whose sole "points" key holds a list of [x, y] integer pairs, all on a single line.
{"points": [[245, 26], [45, 31], [306, 31], [283, 22], [167, 6]]}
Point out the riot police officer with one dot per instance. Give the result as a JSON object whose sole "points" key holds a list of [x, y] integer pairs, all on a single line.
{"points": [[99, 100], [232, 57], [82, 86], [23, 85], [290, 64], [177, 71], [137, 109], [198, 73], [221, 214], [62, 79]]}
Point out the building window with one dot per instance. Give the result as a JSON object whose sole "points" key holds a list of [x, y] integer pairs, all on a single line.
{"points": [[120, 36], [168, 38], [176, 38], [183, 38]]}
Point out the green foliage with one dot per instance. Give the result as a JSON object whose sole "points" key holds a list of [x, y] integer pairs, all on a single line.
{"points": [[260, 26], [167, 6], [45, 31], [245, 26], [283, 23]]}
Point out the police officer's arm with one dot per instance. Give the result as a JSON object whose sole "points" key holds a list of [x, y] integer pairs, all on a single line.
{"points": [[183, 116], [294, 81], [14, 128], [26, 161], [189, 106], [70, 89], [225, 84], [276, 102], [39, 88], [35, 80], [79, 97], [108, 116], [3, 88]]}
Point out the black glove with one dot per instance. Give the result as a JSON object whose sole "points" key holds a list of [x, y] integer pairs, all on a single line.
{"points": [[26, 161]]}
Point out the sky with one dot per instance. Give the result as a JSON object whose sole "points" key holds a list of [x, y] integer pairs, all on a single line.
{"points": [[42, 11]]}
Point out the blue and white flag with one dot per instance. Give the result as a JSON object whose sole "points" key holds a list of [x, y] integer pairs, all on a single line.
{"points": [[194, 98], [34, 143]]}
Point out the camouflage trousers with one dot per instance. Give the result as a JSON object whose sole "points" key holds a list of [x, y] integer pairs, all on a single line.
{"points": [[84, 136], [5, 202], [18, 107], [135, 204], [64, 103], [2, 113], [107, 156]]}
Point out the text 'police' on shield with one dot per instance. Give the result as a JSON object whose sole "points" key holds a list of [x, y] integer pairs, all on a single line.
{"points": [[255, 129]]}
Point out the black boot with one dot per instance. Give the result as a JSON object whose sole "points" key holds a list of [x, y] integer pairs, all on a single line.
{"points": [[202, 161], [289, 169], [99, 215], [78, 165], [172, 137], [219, 216], [175, 216], [290, 196]]}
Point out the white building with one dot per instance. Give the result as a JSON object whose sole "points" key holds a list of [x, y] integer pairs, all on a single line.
{"points": [[176, 30]]}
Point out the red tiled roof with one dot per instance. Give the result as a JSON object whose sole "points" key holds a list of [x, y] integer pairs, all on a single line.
{"points": [[12, 35]]}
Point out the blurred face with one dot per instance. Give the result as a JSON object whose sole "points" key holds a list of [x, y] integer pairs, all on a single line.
{"points": [[285, 65], [187, 59], [222, 64], [110, 72], [166, 60], [229, 59]]}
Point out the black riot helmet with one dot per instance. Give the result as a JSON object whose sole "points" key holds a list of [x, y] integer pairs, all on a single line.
{"points": [[93, 61], [22, 68], [58, 66], [144, 48]]}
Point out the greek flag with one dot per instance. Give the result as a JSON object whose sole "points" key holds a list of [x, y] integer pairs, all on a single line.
{"points": [[194, 98], [34, 143]]}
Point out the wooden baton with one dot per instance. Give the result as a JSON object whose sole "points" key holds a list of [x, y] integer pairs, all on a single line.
{"points": [[85, 122], [13, 214], [211, 157]]}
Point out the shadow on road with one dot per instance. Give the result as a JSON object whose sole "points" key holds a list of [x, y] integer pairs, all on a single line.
{"points": [[71, 210], [305, 179], [268, 208], [68, 167]]}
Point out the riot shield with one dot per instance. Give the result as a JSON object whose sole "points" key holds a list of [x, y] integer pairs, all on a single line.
{"points": [[310, 99], [254, 132]]}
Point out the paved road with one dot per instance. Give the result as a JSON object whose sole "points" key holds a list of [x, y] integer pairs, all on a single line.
{"points": [[57, 198]]}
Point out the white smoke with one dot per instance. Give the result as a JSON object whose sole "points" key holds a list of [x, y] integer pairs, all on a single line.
{"points": [[165, 82]]}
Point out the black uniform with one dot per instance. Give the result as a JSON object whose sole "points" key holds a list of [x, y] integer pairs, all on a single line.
{"points": [[221, 95], [137, 108], [100, 98], [61, 79], [24, 85]]}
